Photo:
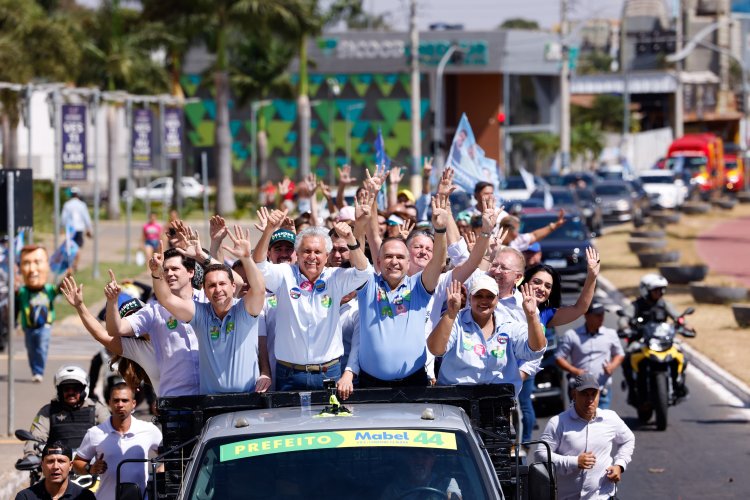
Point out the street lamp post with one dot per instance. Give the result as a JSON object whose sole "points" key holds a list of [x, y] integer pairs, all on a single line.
{"points": [[439, 114], [255, 107], [335, 89], [358, 105]]}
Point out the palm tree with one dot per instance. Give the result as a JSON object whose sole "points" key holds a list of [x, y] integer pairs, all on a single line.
{"points": [[33, 45], [119, 50], [220, 18], [586, 141]]}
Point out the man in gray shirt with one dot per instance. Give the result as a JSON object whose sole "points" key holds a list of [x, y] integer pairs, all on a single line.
{"points": [[592, 348]]}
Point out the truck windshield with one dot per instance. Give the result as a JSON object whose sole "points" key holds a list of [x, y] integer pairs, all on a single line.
{"points": [[358, 464], [691, 164]]}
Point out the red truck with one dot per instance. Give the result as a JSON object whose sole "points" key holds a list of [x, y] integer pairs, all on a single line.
{"points": [[700, 159]]}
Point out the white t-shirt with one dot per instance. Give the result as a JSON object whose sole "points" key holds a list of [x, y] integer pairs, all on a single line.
{"points": [[142, 352], [140, 441]]}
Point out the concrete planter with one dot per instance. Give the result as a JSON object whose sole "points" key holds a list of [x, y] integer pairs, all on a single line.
{"points": [[725, 203], [642, 245], [665, 218], [741, 314], [743, 196], [653, 259], [648, 233], [717, 294], [695, 207], [678, 274]]}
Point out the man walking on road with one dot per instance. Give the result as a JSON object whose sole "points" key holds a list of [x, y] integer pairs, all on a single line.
{"points": [[581, 439], [592, 348], [75, 215]]}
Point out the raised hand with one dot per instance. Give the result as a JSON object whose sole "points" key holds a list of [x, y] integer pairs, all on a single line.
{"points": [[560, 218], [217, 228], [427, 167], [288, 224], [395, 175], [73, 293], [284, 186], [343, 230], [191, 245], [112, 289], [242, 247], [529, 299], [345, 176], [440, 212], [471, 239], [155, 263], [276, 219], [405, 228], [490, 214], [593, 261], [445, 186], [324, 188], [363, 205], [308, 185], [454, 297], [375, 182], [262, 214]]}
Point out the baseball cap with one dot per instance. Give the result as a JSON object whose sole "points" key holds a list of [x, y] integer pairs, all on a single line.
{"points": [[484, 282], [586, 381], [534, 248], [57, 448], [127, 304], [282, 235], [596, 308], [74, 190], [409, 195], [346, 214]]}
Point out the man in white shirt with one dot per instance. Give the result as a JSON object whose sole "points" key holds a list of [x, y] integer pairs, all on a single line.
{"points": [[75, 215], [582, 438], [119, 438]]}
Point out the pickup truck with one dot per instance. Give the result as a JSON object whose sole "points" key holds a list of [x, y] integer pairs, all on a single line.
{"points": [[412, 443]]}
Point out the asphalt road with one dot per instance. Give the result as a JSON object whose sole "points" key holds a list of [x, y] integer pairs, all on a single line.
{"points": [[703, 454]]}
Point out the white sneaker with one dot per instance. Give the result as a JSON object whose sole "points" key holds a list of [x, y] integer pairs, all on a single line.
{"points": [[37, 379]]}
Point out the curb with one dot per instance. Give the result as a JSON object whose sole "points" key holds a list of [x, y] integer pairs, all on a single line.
{"points": [[700, 361]]}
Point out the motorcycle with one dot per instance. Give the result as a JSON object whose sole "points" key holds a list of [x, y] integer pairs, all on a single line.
{"points": [[33, 464], [654, 366]]}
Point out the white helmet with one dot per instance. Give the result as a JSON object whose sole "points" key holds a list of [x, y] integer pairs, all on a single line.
{"points": [[651, 282], [70, 374]]}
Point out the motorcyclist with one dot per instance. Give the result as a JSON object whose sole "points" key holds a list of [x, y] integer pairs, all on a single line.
{"points": [[67, 417]]}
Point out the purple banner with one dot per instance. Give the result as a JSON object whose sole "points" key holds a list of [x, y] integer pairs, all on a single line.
{"points": [[74, 142], [173, 133], [143, 126]]}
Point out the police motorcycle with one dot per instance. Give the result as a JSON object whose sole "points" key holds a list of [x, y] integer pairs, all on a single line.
{"points": [[654, 365], [33, 464]]}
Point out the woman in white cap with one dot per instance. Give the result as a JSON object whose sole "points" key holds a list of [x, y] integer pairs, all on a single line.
{"points": [[478, 348]]}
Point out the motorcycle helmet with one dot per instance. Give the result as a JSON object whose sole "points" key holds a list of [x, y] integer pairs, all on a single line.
{"points": [[72, 375], [650, 282]]}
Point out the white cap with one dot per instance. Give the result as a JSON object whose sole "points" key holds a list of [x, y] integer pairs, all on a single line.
{"points": [[484, 282]]}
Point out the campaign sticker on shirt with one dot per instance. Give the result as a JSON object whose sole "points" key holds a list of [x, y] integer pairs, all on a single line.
{"points": [[272, 301], [400, 309], [381, 294], [306, 286], [230, 327], [498, 352], [320, 286], [467, 345], [295, 293], [326, 301], [480, 350], [398, 300], [172, 323], [386, 311], [503, 338], [407, 295], [215, 332]]}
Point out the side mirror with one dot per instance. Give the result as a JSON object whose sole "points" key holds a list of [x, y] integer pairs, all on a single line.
{"points": [[25, 435], [688, 311]]}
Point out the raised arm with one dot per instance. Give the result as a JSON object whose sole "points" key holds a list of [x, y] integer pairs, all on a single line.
{"points": [[356, 252], [115, 325], [183, 309], [545, 231], [190, 246], [394, 178], [242, 250], [345, 179], [489, 219], [74, 295], [568, 314], [434, 267], [218, 231], [437, 341], [272, 221], [537, 340], [445, 188]]}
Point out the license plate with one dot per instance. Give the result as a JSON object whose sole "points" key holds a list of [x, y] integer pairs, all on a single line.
{"points": [[556, 262]]}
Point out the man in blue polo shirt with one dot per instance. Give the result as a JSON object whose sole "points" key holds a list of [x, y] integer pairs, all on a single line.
{"points": [[227, 330], [393, 310]]}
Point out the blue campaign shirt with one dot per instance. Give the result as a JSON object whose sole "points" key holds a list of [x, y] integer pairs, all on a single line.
{"points": [[471, 359], [392, 341], [228, 348], [545, 315]]}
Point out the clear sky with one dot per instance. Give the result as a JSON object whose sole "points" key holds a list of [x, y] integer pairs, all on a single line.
{"points": [[488, 14]]}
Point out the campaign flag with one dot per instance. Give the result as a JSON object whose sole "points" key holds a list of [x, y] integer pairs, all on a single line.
{"points": [[65, 254], [142, 143], [381, 158], [468, 160], [172, 133], [74, 142]]}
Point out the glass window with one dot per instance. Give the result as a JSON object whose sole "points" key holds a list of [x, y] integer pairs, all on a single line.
{"points": [[573, 229]]}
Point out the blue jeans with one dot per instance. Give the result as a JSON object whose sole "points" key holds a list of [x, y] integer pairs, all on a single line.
{"points": [[605, 398], [37, 345], [527, 409], [288, 379]]}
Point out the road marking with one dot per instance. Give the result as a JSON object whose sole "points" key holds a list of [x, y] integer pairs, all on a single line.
{"points": [[716, 388]]}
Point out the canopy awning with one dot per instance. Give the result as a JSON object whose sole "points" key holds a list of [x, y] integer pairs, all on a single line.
{"points": [[652, 82]]}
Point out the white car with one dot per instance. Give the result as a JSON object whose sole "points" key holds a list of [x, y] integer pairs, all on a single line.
{"points": [[161, 189], [667, 189]]}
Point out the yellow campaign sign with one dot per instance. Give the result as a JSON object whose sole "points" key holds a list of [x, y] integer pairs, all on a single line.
{"points": [[406, 438]]}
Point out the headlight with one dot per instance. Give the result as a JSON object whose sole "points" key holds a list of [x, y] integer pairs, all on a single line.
{"points": [[587, 212], [734, 178], [622, 205]]}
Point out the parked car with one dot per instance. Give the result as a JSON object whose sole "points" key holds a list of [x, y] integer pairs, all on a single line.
{"points": [[514, 188], [668, 189], [161, 189], [645, 200], [587, 178], [619, 202], [614, 172], [565, 248], [569, 200], [591, 210]]}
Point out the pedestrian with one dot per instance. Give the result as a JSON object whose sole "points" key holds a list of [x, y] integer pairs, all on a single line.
{"points": [[592, 348], [581, 440], [151, 235], [36, 304], [75, 216], [56, 466]]}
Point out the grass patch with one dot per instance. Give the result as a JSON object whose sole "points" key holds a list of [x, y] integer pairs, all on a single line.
{"points": [[718, 337], [93, 289]]}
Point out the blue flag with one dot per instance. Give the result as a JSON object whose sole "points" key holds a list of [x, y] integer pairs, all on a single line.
{"points": [[381, 158]]}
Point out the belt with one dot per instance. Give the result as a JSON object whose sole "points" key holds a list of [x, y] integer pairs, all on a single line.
{"points": [[316, 368]]}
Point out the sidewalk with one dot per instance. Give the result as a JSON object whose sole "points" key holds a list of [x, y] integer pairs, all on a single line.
{"points": [[725, 249]]}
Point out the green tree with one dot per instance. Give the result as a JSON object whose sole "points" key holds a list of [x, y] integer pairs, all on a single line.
{"points": [[519, 23], [586, 141], [540, 147], [605, 110], [594, 62], [353, 13], [33, 46]]}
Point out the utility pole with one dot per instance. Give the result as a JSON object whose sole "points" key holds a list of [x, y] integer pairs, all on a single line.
{"points": [[416, 97], [564, 89], [679, 99]]}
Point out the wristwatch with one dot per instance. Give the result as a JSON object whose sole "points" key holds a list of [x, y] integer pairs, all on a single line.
{"points": [[87, 467], [207, 262]]}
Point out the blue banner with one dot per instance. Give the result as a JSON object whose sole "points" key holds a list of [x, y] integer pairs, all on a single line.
{"points": [[468, 160], [143, 126], [172, 133], [74, 142]]}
